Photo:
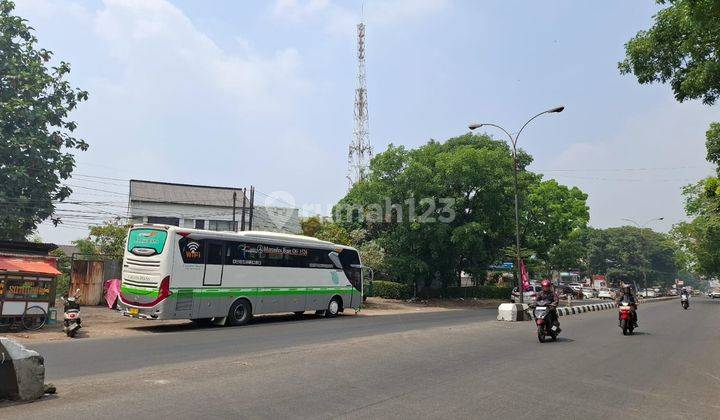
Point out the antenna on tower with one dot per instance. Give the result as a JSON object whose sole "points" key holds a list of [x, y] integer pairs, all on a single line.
{"points": [[360, 151]]}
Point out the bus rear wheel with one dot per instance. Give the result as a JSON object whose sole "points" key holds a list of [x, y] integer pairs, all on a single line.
{"points": [[240, 313]]}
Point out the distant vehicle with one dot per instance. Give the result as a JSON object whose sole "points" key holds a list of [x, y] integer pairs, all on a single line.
{"points": [[576, 286], [605, 294], [226, 277], [589, 293], [648, 293], [565, 291], [528, 296], [672, 292], [714, 294]]}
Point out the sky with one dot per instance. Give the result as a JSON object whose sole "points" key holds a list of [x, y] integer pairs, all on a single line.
{"points": [[240, 93]]}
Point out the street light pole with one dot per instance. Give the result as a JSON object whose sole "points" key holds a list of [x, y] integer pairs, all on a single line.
{"points": [[516, 168], [644, 226]]}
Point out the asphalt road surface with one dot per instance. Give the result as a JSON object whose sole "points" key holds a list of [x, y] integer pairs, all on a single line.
{"points": [[458, 364]]}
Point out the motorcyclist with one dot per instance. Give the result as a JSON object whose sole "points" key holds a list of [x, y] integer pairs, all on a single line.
{"points": [[548, 294], [628, 297]]}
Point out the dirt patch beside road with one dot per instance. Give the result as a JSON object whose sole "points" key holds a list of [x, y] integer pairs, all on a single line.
{"points": [[101, 322]]}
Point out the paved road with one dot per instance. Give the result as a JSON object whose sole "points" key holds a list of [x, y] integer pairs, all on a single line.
{"points": [[432, 365]]}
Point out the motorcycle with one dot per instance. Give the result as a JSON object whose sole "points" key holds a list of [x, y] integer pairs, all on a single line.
{"points": [[71, 308], [626, 322], [685, 301], [544, 321]]}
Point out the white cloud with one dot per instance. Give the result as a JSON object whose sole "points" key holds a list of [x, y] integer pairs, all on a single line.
{"points": [[169, 103], [340, 18]]}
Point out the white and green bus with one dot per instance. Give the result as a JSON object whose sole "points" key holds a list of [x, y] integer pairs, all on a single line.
{"points": [[226, 277]]}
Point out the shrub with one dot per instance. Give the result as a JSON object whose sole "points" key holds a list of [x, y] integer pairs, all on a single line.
{"points": [[389, 290]]}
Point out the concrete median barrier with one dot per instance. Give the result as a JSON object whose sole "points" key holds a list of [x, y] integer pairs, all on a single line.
{"points": [[521, 312], [22, 372]]}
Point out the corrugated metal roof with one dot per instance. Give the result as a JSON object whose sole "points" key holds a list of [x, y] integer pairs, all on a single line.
{"points": [[163, 192], [29, 265]]}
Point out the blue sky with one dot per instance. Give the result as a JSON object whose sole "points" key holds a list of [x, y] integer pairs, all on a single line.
{"points": [[234, 93]]}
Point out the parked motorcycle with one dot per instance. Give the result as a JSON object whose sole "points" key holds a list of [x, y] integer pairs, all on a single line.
{"points": [[544, 321], [685, 301], [626, 318], [71, 308]]}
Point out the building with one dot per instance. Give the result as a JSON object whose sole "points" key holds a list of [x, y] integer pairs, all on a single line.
{"points": [[205, 207]]}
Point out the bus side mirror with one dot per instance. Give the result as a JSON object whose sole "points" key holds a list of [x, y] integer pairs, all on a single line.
{"points": [[335, 258]]}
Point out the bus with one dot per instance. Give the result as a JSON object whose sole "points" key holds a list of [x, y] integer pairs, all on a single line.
{"points": [[227, 277]]}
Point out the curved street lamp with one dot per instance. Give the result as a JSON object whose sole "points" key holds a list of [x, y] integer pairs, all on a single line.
{"points": [[513, 142]]}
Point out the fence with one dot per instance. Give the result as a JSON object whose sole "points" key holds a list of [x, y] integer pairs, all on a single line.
{"points": [[89, 275]]}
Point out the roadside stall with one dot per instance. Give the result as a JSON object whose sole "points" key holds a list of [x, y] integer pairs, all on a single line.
{"points": [[27, 289]]}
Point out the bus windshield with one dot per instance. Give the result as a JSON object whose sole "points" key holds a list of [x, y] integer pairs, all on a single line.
{"points": [[146, 242]]}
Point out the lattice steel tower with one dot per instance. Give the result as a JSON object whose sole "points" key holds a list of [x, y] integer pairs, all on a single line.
{"points": [[360, 151]]}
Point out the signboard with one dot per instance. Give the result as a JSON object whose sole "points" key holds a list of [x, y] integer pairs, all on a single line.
{"points": [[506, 266], [680, 282]]}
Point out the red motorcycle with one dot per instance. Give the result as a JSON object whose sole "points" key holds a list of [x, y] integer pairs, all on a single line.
{"points": [[544, 319], [626, 318]]}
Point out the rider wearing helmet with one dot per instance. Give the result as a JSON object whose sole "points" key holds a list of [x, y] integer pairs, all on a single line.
{"points": [[548, 294], [628, 297]]}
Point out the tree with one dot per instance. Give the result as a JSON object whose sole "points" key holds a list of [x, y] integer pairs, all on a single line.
{"points": [[36, 134], [682, 49], [105, 239], [698, 239], [445, 208], [63, 264]]}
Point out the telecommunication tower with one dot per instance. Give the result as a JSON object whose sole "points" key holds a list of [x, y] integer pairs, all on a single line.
{"points": [[360, 151]]}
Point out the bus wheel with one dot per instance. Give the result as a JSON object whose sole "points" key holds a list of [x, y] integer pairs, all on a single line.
{"points": [[240, 313], [333, 308], [299, 313]]}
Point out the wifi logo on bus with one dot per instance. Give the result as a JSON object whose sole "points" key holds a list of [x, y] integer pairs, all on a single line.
{"points": [[191, 251]]}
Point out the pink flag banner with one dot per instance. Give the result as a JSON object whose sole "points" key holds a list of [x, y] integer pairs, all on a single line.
{"points": [[524, 276]]}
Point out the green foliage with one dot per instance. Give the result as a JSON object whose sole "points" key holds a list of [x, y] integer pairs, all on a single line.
{"points": [[63, 264], [682, 49], [632, 254], [479, 292], [35, 132], [389, 290], [453, 208], [105, 239], [326, 230], [698, 239]]}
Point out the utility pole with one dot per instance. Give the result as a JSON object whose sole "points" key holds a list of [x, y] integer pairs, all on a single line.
{"points": [[252, 205], [242, 216], [234, 226]]}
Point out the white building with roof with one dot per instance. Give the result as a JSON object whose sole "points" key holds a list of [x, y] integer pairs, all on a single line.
{"points": [[205, 207]]}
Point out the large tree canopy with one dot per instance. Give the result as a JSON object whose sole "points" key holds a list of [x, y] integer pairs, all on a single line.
{"points": [[448, 207], [682, 49], [35, 132]]}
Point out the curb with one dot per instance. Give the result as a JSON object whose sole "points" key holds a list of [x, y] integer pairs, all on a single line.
{"points": [[574, 310]]}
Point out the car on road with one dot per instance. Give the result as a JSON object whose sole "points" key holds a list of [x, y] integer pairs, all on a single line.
{"points": [[589, 293], [576, 286], [672, 292], [528, 296], [605, 294], [648, 293], [714, 294]]}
